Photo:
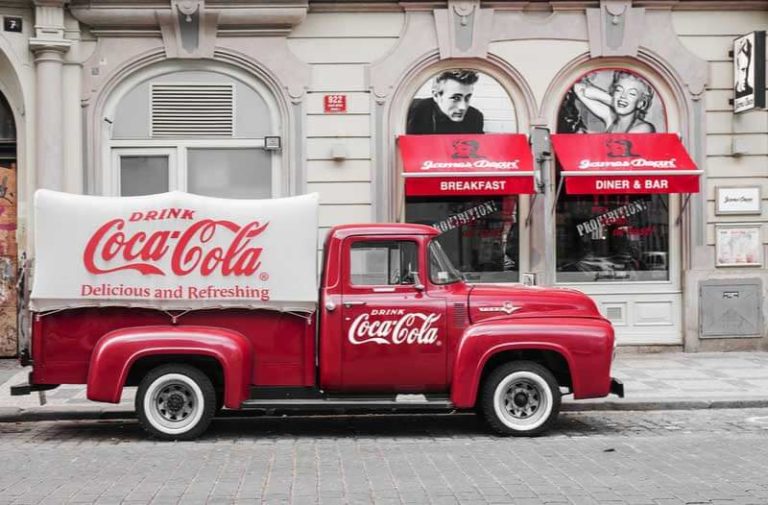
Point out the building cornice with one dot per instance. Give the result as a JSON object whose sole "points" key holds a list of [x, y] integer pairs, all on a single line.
{"points": [[532, 5], [113, 16]]}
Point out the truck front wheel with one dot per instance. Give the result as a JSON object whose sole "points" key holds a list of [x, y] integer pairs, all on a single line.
{"points": [[175, 402], [520, 398]]}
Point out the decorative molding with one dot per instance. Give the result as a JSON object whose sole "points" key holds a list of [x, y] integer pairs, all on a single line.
{"points": [[188, 15], [41, 46], [463, 29], [660, 39], [276, 64], [417, 41], [253, 16], [615, 29]]}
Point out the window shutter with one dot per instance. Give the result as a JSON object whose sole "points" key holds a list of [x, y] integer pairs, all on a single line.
{"points": [[184, 110]]}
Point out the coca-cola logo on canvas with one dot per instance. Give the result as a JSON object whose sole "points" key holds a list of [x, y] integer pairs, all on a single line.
{"points": [[405, 328], [206, 246]]}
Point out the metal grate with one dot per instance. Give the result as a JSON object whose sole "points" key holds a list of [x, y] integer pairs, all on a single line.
{"points": [[182, 110], [459, 314]]}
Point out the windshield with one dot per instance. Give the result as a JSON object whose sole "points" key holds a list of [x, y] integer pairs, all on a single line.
{"points": [[441, 271]]}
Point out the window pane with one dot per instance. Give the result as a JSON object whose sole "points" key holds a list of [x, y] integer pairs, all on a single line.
{"points": [[229, 173], [479, 235], [7, 124], [383, 263], [612, 238], [143, 175]]}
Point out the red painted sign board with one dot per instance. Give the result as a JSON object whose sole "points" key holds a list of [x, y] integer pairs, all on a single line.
{"points": [[451, 165], [335, 103], [625, 163]]}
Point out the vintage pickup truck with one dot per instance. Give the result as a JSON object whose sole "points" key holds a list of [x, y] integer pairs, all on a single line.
{"points": [[206, 304]]}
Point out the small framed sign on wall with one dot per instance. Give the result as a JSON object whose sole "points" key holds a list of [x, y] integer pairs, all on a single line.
{"points": [[738, 200], [738, 245]]}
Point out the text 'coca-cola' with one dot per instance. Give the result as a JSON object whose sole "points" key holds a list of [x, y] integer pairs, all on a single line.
{"points": [[205, 247]]}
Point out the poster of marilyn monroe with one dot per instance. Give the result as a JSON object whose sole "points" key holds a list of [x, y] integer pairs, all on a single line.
{"points": [[611, 101]]}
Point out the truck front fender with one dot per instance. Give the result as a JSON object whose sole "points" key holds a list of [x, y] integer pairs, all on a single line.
{"points": [[586, 345], [117, 351]]}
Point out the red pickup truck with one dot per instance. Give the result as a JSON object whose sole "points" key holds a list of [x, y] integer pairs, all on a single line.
{"points": [[391, 327]]}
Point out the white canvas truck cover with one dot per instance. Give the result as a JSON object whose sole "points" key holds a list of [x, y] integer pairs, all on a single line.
{"points": [[174, 251]]}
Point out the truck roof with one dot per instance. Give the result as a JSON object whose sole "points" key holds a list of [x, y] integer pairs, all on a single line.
{"points": [[348, 230]]}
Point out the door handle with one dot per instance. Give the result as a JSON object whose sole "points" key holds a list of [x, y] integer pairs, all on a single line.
{"points": [[354, 304]]}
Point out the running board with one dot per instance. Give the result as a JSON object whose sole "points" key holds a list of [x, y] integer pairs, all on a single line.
{"points": [[408, 402]]}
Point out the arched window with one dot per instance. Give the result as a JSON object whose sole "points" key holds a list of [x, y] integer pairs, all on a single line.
{"points": [[480, 232], [610, 237], [199, 131]]}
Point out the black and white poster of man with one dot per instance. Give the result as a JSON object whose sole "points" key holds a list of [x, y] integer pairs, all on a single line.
{"points": [[611, 101], [749, 72], [461, 101]]}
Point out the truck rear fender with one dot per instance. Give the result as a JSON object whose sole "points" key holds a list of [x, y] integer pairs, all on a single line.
{"points": [[119, 352], [576, 350]]}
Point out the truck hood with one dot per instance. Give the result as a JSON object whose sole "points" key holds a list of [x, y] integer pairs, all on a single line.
{"points": [[490, 301]]}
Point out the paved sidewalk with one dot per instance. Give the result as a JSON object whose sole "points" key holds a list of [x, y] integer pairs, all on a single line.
{"points": [[651, 381]]}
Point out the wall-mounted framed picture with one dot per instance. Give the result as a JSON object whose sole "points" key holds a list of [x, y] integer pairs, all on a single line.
{"points": [[738, 245], [738, 200], [749, 72]]}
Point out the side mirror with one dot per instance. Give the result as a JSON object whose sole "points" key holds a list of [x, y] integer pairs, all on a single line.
{"points": [[417, 282]]}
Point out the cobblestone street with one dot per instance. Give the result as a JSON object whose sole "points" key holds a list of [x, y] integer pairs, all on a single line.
{"points": [[654, 458]]}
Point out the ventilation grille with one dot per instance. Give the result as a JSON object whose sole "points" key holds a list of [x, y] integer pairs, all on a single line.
{"points": [[614, 313], [183, 110], [459, 314]]}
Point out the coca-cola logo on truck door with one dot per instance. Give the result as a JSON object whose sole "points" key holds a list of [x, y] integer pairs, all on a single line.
{"points": [[394, 326]]}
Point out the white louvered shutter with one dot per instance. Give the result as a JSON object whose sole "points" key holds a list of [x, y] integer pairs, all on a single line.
{"points": [[183, 110]]}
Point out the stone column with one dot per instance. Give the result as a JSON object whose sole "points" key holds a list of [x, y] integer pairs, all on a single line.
{"points": [[49, 46]]}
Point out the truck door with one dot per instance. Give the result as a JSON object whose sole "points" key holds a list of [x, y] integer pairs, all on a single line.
{"points": [[393, 336]]}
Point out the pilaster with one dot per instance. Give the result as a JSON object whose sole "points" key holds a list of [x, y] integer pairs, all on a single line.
{"points": [[49, 47]]}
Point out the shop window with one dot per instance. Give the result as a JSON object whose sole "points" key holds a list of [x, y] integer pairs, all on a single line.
{"points": [[479, 232], [383, 263], [479, 235], [196, 131], [602, 237]]}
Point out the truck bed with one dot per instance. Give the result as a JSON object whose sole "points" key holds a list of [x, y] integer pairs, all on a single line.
{"points": [[283, 343]]}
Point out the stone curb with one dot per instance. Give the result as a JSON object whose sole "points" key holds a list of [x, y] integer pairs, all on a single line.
{"points": [[15, 414]]}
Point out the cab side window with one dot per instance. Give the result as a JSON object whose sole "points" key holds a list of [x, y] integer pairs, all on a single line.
{"points": [[388, 263]]}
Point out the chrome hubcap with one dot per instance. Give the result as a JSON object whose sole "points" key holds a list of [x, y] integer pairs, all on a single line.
{"points": [[522, 399], [175, 402]]}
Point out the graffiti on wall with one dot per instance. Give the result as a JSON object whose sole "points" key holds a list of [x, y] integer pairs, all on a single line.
{"points": [[8, 260]]}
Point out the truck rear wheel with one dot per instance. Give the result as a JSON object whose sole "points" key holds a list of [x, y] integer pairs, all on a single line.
{"points": [[520, 398], [175, 402]]}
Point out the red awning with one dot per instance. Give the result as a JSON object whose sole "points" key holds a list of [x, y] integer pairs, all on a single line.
{"points": [[452, 165], [625, 163]]}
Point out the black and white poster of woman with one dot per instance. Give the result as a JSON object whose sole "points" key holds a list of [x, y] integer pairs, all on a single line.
{"points": [[749, 72], [611, 101]]}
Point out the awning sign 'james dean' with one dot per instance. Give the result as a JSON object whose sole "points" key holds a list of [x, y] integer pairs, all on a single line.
{"points": [[625, 163], [470, 165]]}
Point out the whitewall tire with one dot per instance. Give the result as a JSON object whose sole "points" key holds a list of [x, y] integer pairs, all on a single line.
{"points": [[175, 402], [520, 398]]}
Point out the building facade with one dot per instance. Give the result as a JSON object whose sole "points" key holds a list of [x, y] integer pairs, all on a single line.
{"points": [[260, 99]]}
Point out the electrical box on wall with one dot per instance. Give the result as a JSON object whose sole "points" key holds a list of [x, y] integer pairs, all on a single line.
{"points": [[730, 308]]}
